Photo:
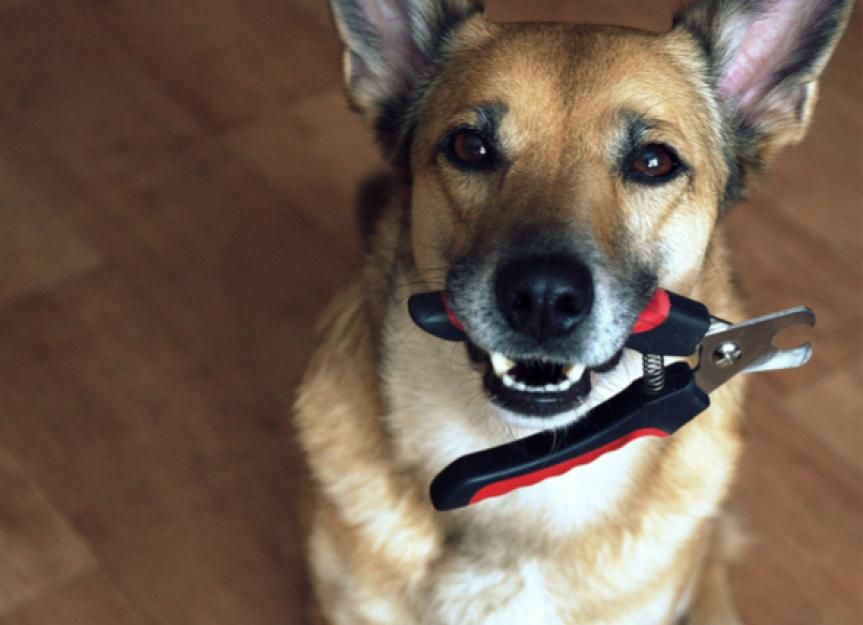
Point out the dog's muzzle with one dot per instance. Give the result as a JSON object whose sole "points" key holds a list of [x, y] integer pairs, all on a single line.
{"points": [[542, 299]]}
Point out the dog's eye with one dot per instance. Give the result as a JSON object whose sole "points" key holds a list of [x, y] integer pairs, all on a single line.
{"points": [[654, 163], [468, 149]]}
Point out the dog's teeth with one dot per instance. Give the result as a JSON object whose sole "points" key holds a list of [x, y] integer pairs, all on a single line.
{"points": [[503, 367], [574, 372], [501, 363]]}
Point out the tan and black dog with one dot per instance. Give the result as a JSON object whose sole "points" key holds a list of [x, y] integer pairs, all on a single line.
{"points": [[549, 177]]}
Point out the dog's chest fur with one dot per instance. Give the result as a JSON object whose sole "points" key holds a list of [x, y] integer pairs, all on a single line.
{"points": [[508, 568]]}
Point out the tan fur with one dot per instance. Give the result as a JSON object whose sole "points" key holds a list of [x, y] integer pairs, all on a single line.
{"points": [[633, 539]]}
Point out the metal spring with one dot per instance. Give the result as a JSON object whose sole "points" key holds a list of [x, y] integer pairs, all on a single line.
{"points": [[654, 372]]}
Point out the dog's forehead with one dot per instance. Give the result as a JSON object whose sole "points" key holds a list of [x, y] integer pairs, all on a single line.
{"points": [[556, 73], [563, 94]]}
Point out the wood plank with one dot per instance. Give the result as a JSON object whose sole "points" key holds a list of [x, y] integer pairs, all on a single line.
{"points": [[315, 152], [83, 95], [39, 549], [230, 60], [824, 410], [775, 274], [803, 506], [187, 498], [90, 600], [38, 247], [236, 273], [213, 249]]}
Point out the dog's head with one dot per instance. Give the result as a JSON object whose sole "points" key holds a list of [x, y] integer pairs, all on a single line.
{"points": [[559, 173]]}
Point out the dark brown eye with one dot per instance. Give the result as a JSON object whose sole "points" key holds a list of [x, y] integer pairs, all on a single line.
{"points": [[654, 163], [469, 149]]}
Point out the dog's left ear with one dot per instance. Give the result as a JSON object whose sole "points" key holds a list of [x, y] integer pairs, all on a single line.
{"points": [[767, 57], [390, 47]]}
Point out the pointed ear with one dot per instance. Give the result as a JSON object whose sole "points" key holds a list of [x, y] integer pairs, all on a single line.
{"points": [[767, 57], [390, 45]]}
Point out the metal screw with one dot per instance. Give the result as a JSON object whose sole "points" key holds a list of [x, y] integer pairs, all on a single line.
{"points": [[726, 355]]}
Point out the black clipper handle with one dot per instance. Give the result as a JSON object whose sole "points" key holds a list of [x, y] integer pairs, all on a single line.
{"points": [[632, 414], [431, 312], [670, 325]]}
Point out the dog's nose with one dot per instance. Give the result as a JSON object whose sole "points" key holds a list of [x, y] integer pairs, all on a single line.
{"points": [[544, 296]]}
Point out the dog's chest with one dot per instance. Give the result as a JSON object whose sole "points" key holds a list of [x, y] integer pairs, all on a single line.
{"points": [[484, 593], [515, 565], [528, 590]]}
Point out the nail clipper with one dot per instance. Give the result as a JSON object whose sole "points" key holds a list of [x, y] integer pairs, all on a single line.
{"points": [[656, 405]]}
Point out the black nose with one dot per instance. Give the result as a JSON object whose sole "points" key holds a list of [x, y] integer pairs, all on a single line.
{"points": [[545, 296]]}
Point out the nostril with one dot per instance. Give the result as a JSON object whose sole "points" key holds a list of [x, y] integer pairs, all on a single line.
{"points": [[569, 305], [522, 302], [520, 307]]}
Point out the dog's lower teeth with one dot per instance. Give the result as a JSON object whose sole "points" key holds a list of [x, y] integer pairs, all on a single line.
{"points": [[510, 382]]}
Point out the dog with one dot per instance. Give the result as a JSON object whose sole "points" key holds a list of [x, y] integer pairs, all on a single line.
{"points": [[548, 178]]}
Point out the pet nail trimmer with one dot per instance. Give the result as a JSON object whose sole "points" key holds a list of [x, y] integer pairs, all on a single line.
{"points": [[656, 405]]}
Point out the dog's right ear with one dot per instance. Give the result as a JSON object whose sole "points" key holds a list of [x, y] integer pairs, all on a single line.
{"points": [[766, 57], [390, 46]]}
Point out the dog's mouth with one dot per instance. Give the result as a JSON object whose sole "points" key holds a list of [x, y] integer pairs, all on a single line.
{"points": [[536, 387]]}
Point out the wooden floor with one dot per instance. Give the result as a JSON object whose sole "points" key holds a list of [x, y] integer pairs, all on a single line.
{"points": [[176, 183]]}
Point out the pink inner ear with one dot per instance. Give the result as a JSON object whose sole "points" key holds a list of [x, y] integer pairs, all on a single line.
{"points": [[757, 49], [392, 25]]}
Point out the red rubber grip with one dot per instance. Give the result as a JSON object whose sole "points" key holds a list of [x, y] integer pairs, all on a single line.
{"points": [[449, 313], [529, 479], [654, 314]]}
